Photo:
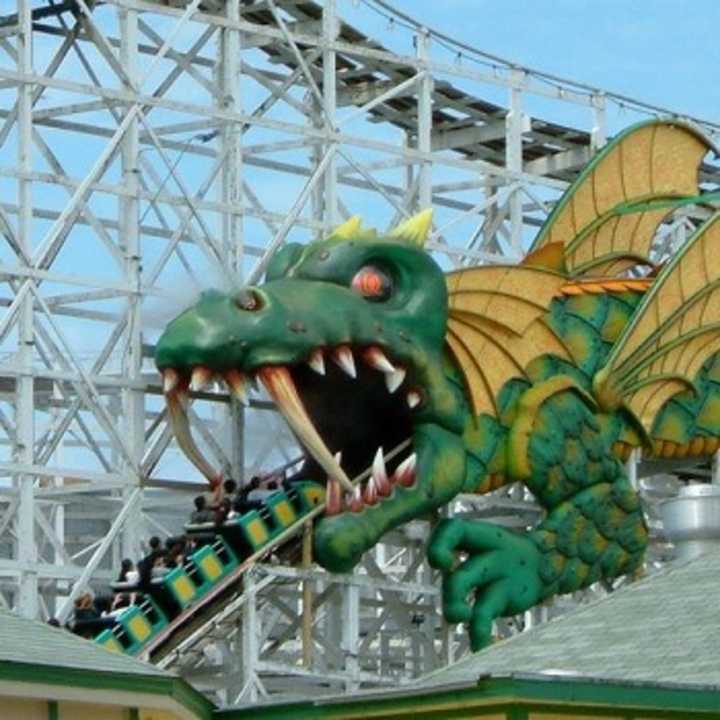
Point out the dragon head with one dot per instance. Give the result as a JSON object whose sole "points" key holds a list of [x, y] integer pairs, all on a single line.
{"points": [[347, 335]]}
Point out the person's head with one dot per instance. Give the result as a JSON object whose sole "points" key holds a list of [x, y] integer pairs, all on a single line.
{"points": [[154, 542], [229, 486], [255, 481], [199, 502], [125, 567]]}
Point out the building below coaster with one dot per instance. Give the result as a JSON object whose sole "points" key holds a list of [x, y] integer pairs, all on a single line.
{"points": [[647, 651]]}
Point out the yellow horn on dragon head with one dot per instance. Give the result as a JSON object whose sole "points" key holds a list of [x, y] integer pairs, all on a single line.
{"points": [[414, 230]]}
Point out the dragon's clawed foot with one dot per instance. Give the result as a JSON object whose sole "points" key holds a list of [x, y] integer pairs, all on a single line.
{"points": [[497, 575]]}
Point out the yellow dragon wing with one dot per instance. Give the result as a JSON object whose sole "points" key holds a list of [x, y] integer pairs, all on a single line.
{"points": [[607, 218], [674, 330], [496, 325]]}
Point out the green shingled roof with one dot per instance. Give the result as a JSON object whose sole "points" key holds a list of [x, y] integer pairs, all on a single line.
{"points": [[33, 642], [662, 629]]}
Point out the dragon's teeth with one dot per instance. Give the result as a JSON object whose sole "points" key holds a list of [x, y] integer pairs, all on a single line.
{"points": [[333, 492], [375, 358], [413, 399], [317, 362], [356, 501], [378, 466], [333, 497], [200, 377], [379, 474], [405, 472], [177, 412], [371, 492], [412, 462], [394, 379], [238, 386], [344, 358], [170, 380]]}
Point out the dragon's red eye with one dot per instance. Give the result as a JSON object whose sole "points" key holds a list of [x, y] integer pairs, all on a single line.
{"points": [[372, 283]]}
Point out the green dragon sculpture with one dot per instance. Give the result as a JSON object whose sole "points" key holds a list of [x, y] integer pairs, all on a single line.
{"points": [[547, 373]]}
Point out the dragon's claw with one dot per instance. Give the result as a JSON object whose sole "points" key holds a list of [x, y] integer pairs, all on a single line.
{"points": [[501, 575]]}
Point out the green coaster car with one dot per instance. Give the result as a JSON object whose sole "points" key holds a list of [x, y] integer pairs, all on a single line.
{"points": [[307, 495], [135, 626], [214, 562]]}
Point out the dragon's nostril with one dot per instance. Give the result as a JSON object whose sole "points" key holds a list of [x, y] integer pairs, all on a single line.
{"points": [[297, 326], [249, 300]]}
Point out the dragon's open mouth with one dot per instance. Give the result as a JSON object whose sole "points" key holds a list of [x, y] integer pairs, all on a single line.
{"points": [[347, 414]]}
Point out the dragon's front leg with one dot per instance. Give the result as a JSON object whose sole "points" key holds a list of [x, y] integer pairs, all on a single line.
{"points": [[501, 574], [594, 527]]}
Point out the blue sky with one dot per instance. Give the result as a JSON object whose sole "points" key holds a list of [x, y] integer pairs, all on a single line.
{"points": [[665, 52]]}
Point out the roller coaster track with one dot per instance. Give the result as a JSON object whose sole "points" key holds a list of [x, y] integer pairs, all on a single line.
{"points": [[193, 627], [198, 624], [464, 124], [549, 148]]}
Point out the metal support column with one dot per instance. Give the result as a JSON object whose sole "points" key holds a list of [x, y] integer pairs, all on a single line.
{"points": [[351, 633], [514, 159], [129, 220], [228, 77], [27, 602], [598, 133], [334, 621], [424, 120], [231, 137], [250, 633], [307, 597], [329, 93]]}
